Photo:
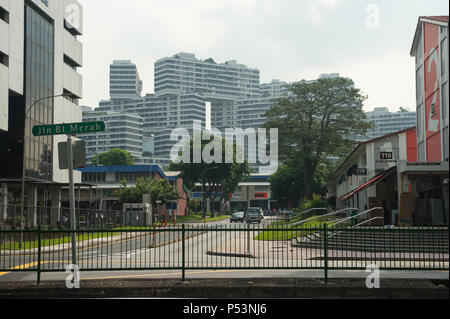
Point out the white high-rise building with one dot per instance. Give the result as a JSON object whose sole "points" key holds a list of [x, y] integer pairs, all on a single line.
{"points": [[124, 131], [40, 54], [184, 73], [275, 88], [387, 122], [124, 81]]}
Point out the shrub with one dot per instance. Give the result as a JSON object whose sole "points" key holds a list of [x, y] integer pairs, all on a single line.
{"points": [[316, 202]]}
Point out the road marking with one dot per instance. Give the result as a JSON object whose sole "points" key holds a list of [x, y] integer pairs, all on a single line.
{"points": [[26, 266], [164, 274], [137, 251]]}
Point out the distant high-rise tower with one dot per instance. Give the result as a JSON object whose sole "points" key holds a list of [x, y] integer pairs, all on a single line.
{"points": [[124, 81], [184, 73]]}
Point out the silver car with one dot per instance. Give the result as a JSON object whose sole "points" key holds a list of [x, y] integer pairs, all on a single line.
{"points": [[253, 215]]}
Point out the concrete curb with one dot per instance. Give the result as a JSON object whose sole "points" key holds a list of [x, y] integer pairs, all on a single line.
{"points": [[231, 288]]}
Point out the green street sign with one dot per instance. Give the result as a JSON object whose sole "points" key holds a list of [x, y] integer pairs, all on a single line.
{"points": [[69, 129]]}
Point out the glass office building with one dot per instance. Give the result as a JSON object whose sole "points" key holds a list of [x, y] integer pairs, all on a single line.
{"points": [[39, 69]]}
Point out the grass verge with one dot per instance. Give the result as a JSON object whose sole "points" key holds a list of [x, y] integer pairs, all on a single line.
{"points": [[290, 232], [198, 218]]}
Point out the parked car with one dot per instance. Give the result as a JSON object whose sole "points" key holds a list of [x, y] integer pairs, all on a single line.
{"points": [[237, 217], [253, 214]]}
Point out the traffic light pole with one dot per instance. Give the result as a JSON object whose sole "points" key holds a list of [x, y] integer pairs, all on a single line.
{"points": [[72, 199]]}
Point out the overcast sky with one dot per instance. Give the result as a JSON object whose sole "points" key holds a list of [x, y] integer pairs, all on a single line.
{"points": [[290, 40]]}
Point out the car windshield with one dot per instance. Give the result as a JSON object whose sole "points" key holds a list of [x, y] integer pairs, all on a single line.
{"points": [[253, 211], [240, 214]]}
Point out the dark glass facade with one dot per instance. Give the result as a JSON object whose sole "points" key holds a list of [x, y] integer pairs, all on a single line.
{"points": [[39, 83]]}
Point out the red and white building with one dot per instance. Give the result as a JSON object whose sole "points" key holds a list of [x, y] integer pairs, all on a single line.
{"points": [[406, 172], [423, 185], [430, 49]]}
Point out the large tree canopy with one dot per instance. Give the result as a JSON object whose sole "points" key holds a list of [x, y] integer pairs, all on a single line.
{"points": [[315, 120], [160, 190], [223, 177]]}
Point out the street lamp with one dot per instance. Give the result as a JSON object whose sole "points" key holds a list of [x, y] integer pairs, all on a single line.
{"points": [[203, 183], [23, 148]]}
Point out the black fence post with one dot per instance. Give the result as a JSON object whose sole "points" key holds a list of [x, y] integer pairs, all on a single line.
{"points": [[325, 252], [183, 265], [39, 256]]}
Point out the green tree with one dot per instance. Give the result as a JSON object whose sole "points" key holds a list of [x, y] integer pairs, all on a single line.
{"points": [[160, 190], [287, 183], [194, 205], [113, 157], [315, 120], [225, 177]]}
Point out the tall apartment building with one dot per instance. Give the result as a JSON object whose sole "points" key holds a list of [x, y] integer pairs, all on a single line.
{"points": [[124, 81], [184, 73], [184, 86], [161, 114], [274, 88], [123, 131], [40, 55], [242, 113], [387, 122]]}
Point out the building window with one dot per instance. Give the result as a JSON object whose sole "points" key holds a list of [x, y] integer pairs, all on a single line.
{"points": [[4, 15], [4, 59], [70, 63], [71, 97]]}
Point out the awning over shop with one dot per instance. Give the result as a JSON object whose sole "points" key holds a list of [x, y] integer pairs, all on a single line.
{"points": [[373, 181]]}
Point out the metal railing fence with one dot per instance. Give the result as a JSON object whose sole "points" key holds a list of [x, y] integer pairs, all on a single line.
{"points": [[59, 217], [226, 247]]}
